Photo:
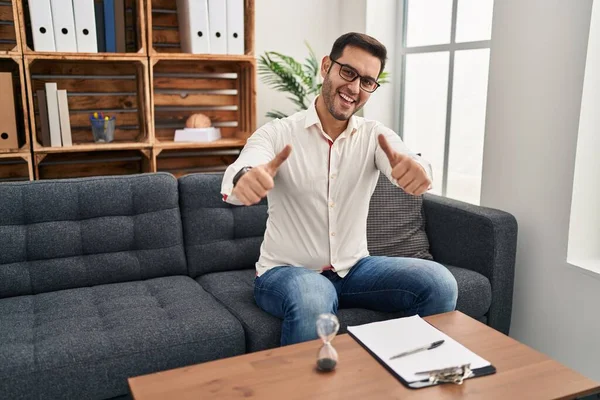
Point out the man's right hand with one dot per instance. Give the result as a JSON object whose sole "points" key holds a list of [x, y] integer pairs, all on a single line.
{"points": [[256, 183]]}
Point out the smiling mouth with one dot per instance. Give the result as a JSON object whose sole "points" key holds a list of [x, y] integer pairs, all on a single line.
{"points": [[347, 99]]}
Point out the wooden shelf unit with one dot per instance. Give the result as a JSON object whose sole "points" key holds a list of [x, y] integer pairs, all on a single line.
{"points": [[135, 30], [151, 90], [183, 161], [92, 163], [223, 90], [163, 27], [13, 63], [116, 86], [16, 167], [10, 38]]}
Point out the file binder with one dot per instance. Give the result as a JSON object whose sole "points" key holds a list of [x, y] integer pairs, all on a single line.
{"points": [[217, 20], [100, 37], [109, 26], [448, 363], [194, 32], [120, 41], [65, 122], [85, 26], [53, 118], [64, 25], [235, 26], [40, 15], [8, 118], [43, 109]]}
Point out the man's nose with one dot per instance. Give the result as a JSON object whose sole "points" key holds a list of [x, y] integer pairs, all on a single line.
{"points": [[354, 86]]}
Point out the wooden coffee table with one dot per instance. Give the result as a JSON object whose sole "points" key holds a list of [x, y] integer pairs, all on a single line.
{"points": [[289, 373]]}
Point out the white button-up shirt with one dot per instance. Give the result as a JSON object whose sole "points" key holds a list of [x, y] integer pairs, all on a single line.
{"points": [[318, 208]]}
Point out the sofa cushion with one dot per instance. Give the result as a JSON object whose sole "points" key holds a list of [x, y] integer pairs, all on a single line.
{"points": [[396, 223], [218, 235], [235, 290], [62, 234], [85, 342]]}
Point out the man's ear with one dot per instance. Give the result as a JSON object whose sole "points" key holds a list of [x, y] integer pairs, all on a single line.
{"points": [[325, 65]]}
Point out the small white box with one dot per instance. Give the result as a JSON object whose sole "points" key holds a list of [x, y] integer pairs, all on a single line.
{"points": [[197, 134]]}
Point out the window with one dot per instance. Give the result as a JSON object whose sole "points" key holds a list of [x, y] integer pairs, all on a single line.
{"points": [[445, 60]]}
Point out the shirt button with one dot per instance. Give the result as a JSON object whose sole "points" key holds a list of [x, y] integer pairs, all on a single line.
{"points": [[332, 233], [331, 204], [333, 176]]}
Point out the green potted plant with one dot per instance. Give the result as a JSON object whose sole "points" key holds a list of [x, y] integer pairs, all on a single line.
{"points": [[300, 80]]}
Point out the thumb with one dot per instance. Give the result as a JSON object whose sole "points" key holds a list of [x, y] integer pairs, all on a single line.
{"points": [[279, 159], [387, 149]]}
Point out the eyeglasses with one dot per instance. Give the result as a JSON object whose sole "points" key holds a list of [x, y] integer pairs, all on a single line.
{"points": [[349, 74]]}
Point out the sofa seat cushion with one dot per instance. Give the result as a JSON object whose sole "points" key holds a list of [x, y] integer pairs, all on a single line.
{"points": [[85, 342], [235, 289]]}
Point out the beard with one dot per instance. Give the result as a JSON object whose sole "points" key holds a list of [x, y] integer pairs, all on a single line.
{"points": [[331, 97]]}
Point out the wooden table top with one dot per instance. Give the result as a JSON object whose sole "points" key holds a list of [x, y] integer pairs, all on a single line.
{"points": [[289, 373]]}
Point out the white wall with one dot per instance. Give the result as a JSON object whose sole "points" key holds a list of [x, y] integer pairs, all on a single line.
{"points": [[584, 235], [382, 24], [538, 56], [284, 25]]}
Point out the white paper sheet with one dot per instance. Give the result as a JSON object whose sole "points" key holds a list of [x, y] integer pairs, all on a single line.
{"points": [[391, 337]]}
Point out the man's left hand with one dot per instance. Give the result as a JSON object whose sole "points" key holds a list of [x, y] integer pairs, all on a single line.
{"points": [[407, 172]]}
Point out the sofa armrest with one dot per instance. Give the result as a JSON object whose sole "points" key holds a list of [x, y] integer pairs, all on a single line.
{"points": [[480, 239]]}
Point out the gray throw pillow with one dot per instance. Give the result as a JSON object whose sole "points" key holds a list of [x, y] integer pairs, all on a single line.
{"points": [[396, 223]]}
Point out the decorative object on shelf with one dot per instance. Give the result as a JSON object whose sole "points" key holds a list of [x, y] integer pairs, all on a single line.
{"points": [[198, 135], [198, 120], [301, 81], [103, 127]]}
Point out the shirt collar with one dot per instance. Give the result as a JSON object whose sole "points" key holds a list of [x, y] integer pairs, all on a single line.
{"points": [[312, 118]]}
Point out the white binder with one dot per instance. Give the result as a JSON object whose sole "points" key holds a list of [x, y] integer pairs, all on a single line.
{"points": [[217, 18], [235, 26], [64, 25], [193, 26], [40, 15], [85, 26], [53, 115], [65, 122]]}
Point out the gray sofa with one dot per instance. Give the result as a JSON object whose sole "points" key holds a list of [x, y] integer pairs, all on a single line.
{"points": [[111, 277]]}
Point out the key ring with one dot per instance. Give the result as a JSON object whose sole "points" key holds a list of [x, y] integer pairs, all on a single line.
{"points": [[454, 375]]}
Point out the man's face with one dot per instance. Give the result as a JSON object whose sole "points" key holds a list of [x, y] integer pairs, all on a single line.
{"points": [[343, 98]]}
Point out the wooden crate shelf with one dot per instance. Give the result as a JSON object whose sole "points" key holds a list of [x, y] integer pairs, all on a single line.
{"points": [[118, 87], [10, 38], [163, 27], [99, 163], [135, 30], [151, 89], [14, 65], [180, 162], [16, 167], [222, 90]]}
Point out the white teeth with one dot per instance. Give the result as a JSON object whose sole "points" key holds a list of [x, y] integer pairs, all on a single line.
{"points": [[346, 97]]}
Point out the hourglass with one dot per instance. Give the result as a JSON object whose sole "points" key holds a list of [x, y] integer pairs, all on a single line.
{"points": [[327, 328]]}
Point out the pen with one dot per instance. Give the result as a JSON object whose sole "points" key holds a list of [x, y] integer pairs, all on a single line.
{"points": [[418, 349]]}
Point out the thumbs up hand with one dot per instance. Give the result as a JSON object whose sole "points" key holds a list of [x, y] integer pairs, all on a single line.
{"points": [[408, 173], [257, 182]]}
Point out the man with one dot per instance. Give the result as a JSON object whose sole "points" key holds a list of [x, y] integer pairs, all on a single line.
{"points": [[319, 168]]}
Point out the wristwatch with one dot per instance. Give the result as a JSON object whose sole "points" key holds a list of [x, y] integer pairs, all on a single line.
{"points": [[240, 173]]}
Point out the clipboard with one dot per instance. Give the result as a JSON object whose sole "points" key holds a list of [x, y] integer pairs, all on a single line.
{"points": [[455, 374]]}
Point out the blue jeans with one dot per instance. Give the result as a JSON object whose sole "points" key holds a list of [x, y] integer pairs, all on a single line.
{"points": [[388, 284]]}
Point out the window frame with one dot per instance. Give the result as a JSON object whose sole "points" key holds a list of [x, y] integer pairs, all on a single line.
{"points": [[452, 48]]}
